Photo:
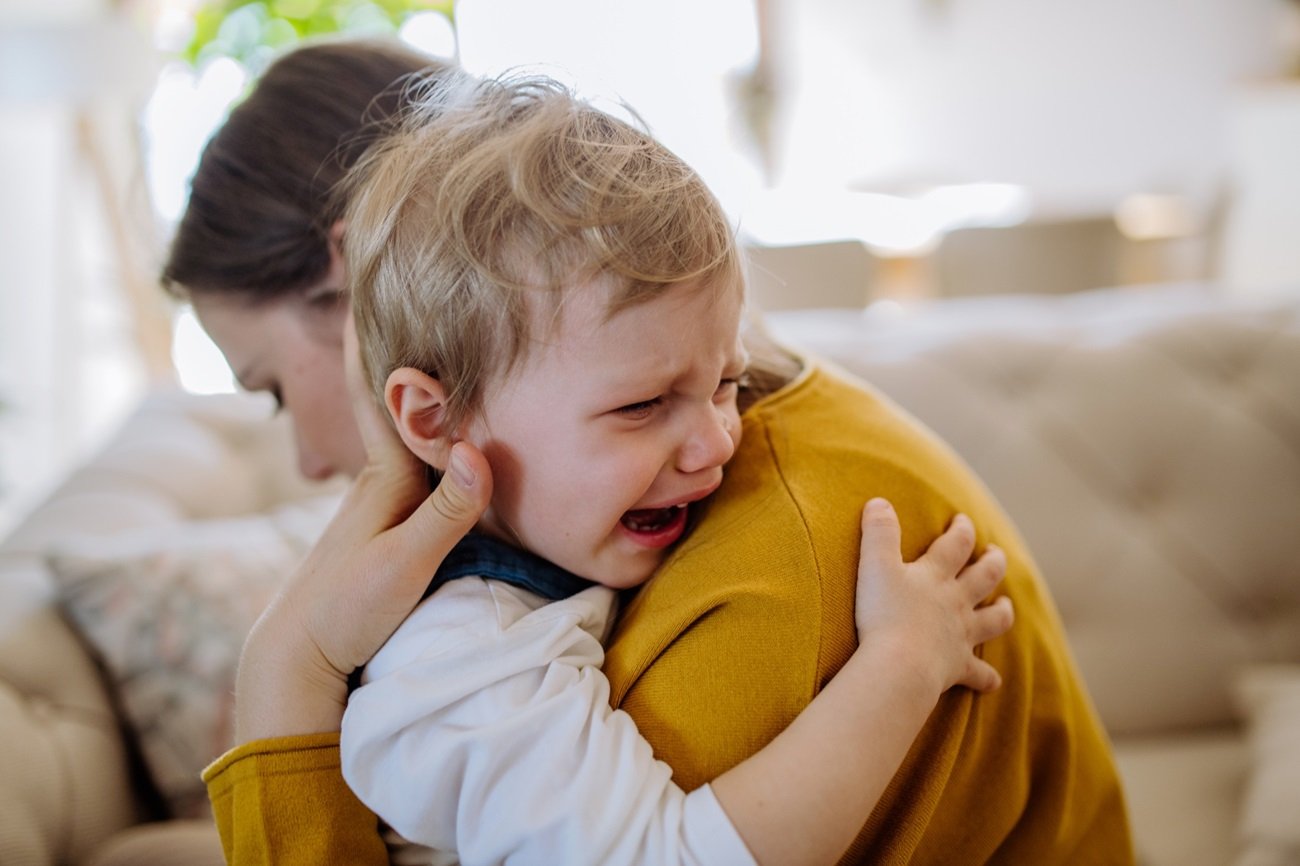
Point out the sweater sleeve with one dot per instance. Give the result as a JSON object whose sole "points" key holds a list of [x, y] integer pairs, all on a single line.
{"points": [[283, 801], [484, 727]]}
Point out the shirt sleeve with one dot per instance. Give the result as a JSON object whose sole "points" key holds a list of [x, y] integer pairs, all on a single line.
{"points": [[283, 802], [484, 727]]}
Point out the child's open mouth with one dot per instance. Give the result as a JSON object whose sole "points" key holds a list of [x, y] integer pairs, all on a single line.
{"points": [[655, 527], [651, 519]]}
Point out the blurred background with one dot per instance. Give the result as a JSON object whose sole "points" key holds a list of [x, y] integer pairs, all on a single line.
{"points": [[870, 152]]}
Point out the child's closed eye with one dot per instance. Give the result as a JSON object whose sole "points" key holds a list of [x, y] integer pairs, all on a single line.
{"points": [[639, 410]]}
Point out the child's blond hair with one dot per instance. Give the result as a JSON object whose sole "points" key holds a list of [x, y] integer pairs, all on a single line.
{"points": [[497, 193]]}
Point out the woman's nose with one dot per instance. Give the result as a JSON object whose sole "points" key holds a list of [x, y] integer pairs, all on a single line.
{"points": [[313, 467], [312, 462], [710, 442]]}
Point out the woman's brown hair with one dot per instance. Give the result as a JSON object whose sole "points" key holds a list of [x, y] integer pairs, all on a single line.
{"points": [[261, 206]]}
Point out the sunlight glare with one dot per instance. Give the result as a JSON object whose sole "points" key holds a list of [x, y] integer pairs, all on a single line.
{"points": [[429, 32], [200, 366]]}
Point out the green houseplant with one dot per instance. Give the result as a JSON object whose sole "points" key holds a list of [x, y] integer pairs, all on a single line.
{"points": [[252, 31]]}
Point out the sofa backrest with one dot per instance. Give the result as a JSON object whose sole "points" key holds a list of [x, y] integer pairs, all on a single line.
{"points": [[1147, 443]]}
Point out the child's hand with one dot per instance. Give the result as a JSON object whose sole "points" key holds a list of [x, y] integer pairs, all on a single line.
{"points": [[929, 611]]}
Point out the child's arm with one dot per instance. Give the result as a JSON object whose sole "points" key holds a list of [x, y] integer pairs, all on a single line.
{"points": [[486, 729], [804, 797]]}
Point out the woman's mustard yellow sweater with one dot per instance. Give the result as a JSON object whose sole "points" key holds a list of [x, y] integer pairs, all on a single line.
{"points": [[750, 617]]}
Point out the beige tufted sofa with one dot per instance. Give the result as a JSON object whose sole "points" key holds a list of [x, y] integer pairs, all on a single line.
{"points": [[1147, 442]]}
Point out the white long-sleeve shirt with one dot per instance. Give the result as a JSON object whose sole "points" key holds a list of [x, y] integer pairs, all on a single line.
{"points": [[483, 728]]}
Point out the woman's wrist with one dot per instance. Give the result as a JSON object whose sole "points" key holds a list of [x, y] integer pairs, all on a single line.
{"points": [[280, 690]]}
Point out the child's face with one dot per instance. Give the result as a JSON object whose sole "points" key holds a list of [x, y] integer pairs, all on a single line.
{"points": [[604, 436]]}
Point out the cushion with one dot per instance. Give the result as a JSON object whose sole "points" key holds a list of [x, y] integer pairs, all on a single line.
{"points": [[1270, 699], [163, 843], [1182, 790], [166, 610], [1113, 426]]}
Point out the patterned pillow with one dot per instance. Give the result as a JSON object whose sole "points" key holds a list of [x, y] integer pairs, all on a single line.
{"points": [[166, 610]]}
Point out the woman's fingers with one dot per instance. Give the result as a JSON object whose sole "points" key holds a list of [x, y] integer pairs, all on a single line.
{"points": [[363, 576], [396, 562], [449, 512], [360, 580]]}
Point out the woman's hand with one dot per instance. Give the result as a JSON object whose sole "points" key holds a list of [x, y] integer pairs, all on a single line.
{"points": [[362, 578], [932, 611]]}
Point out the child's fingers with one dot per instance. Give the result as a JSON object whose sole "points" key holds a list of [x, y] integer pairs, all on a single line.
{"points": [[980, 676], [952, 549], [981, 577], [992, 621], [882, 537]]}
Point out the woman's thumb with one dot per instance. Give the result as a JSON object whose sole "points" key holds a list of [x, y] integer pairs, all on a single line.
{"points": [[461, 496]]}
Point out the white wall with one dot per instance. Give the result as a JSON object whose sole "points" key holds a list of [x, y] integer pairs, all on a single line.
{"points": [[69, 369], [671, 60], [1081, 101]]}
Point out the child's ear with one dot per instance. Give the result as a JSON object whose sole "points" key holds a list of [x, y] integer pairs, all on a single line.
{"points": [[417, 404]]}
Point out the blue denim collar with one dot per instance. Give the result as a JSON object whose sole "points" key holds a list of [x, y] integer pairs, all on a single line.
{"points": [[481, 556]]}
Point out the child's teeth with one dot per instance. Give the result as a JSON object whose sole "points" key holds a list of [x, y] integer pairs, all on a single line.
{"points": [[649, 519]]}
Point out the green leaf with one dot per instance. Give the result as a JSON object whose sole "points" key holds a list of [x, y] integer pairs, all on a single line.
{"points": [[250, 31]]}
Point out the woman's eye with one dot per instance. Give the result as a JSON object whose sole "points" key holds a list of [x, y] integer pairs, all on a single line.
{"points": [[329, 299], [639, 410]]}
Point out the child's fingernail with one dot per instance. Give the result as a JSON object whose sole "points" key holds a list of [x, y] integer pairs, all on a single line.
{"points": [[878, 504], [460, 470]]}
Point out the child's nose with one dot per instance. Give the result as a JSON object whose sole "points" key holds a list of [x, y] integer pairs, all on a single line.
{"points": [[710, 442]]}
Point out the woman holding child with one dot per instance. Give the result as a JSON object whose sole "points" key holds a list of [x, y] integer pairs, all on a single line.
{"points": [[743, 624]]}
